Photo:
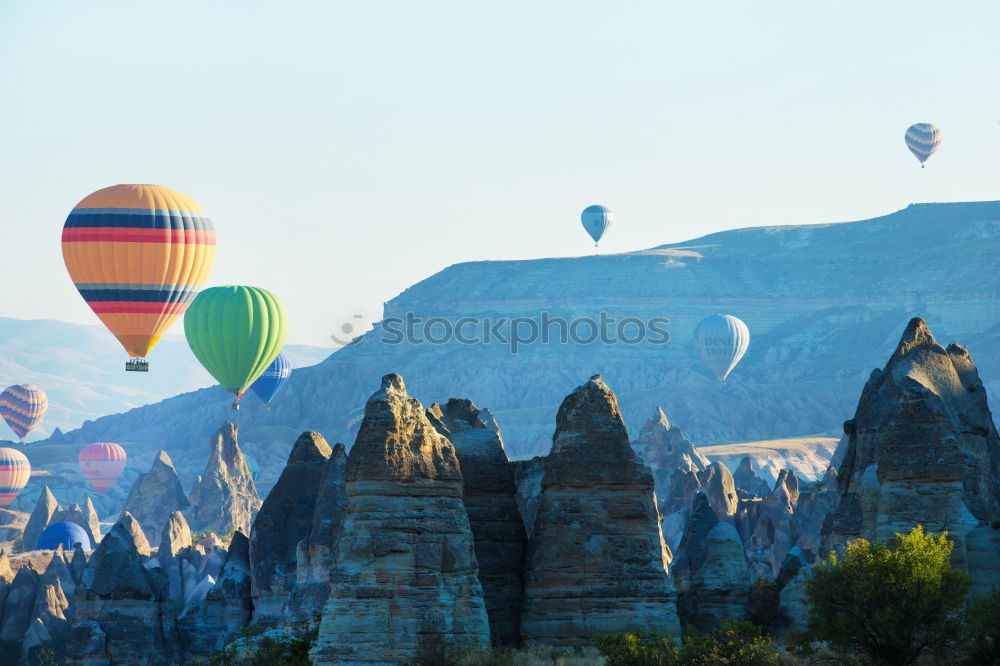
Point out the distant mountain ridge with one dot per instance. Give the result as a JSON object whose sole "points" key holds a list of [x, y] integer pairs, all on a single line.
{"points": [[824, 304]]}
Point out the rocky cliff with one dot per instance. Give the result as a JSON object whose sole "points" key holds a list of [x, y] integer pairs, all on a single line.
{"points": [[285, 519], [489, 494], [405, 566], [923, 449], [225, 497], [596, 560], [155, 495]]}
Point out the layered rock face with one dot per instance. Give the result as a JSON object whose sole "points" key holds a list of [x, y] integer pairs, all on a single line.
{"points": [[314, 554], [596, 560], [208, 624], [748, 483], [123, 615], [155, 495], [923, 450], [284, 520], [665, 448], [711, 571], [490, 500], [405, 566], [225, 498]]}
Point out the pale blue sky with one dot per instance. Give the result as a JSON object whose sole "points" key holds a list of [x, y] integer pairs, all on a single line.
{"points": [[347, 150]]}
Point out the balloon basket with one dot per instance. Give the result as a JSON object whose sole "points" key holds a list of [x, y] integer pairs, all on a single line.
{"points": [[137, 365], [236, 405]]}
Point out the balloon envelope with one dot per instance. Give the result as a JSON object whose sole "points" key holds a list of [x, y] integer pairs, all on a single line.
{"points": [[15, 471], [101, 463], [722, 341], [63, 534], [236, 333], [253, 465], [137, 254], [22, 407], [596, 220], [923, 139], [269, 383]]}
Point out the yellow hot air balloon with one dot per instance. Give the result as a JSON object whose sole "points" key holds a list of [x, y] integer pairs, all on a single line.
{"points": [[138, 254]]}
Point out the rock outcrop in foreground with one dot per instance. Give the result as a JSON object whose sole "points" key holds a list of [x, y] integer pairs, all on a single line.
{"points": [[923, 450], [225, 497], [490, 499], [596, 560], [284, 520], [405, 566], [123, 614]]}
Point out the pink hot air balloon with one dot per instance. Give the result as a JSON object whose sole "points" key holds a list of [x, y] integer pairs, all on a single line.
{"points": [[101, 463]]}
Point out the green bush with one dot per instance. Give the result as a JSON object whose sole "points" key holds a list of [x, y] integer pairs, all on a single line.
{"points": [[267, 650], [983, 625], [732, 644], [650, 649], [888, 605]]}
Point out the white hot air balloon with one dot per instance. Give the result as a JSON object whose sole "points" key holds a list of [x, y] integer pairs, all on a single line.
{"points": [[596, 220], [722, 341]]}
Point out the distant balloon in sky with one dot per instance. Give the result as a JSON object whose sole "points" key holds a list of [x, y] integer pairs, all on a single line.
{"points": [[15, 471], [722, 341], [101, 463], [253, 466], [596, 220], [22, 407], [138, 254], [63, 534], [236, 333], [923, 139], [269, 383]]}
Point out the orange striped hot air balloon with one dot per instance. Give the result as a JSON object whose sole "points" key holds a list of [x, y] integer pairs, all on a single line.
{"points": [[15, 470], [138, 254], [101, 463], [22, 406]]}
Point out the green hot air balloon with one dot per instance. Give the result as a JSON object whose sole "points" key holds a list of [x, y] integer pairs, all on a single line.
{"points": [[236, 333]]}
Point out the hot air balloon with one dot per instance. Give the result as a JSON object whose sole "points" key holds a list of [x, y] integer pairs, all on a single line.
{"points": [[236, 333], [253, 466], [596, 220], [722, 341], [63, 534], [138, 254], [15, 470], [101, 463], [269, 383], [923, 139], [22, 407]]}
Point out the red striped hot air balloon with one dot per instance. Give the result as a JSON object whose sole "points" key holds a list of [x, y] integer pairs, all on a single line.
{"points": [[15, 470], [101, 463], [138, 255], [22, 406]]}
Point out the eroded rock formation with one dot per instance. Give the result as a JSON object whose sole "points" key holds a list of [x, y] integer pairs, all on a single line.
{"points": [[405, 566], [922, 449], [155, 495], [225, 498], [596, 560]]}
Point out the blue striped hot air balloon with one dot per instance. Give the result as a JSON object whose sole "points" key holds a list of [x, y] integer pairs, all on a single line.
{"points": [[269, 383], [923, 139], [22, 406], [596, 220]]}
